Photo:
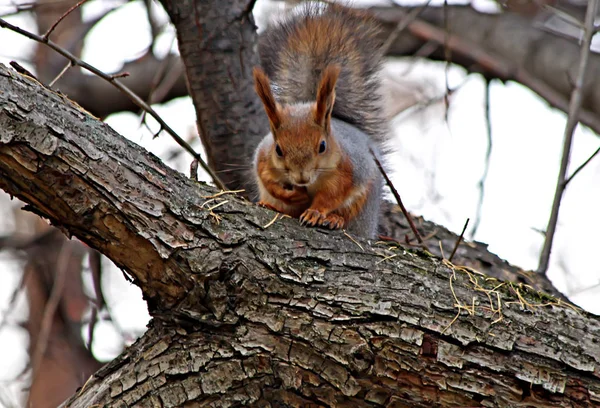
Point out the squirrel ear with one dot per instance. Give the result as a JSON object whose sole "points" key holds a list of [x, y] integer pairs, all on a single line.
{"points": [[326, 96], [263, 89]]}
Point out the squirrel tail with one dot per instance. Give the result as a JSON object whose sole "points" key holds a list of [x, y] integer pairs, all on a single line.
{"points": [[296, 51]]}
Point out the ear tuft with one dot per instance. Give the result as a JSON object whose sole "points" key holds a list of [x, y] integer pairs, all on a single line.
{"points": [[262, 86], [326, 96]]}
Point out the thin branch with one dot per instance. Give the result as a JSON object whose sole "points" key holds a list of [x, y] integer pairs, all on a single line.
{"points": [[499, 66], [51, 306], [585, 163], [458, 241], [22, 70], [159, 76], [572, 121], [57, 22], [488, 154], [128, 92], [95, 261], [399, 201], [402, 24]]}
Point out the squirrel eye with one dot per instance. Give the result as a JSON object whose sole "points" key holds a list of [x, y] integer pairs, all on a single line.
{"points": [[278, 150], [322, 146]]}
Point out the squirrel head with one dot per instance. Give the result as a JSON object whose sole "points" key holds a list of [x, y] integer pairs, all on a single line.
{"points": [[304, 147]]}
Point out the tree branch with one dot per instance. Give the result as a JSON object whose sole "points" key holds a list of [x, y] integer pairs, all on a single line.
{"points": [[232, 300], [541, 61], [572, 121]]}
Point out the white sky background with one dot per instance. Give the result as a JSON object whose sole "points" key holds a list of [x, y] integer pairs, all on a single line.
{"points": [[436, 167]]}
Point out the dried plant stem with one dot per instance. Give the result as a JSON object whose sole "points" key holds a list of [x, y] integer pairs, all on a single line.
{"points": [[572, 120]]}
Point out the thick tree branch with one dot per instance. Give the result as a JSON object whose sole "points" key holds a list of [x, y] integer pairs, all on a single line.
{"points": [[506, 46], [285, 313]]}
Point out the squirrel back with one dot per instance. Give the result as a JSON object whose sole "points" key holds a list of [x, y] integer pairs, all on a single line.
{"points": [[296, 51]]}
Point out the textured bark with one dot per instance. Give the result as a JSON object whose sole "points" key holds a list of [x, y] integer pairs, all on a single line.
{"points": [[216, 40], [283, 314], [59, 361]]}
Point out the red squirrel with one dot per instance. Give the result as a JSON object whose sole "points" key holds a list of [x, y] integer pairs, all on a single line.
{"points": [[325, 115]]}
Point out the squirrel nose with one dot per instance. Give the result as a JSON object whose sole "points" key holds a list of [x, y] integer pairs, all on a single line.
{"points": [[301, 179]]}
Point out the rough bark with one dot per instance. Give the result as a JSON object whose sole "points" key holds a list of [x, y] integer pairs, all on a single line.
{"points": [[282, 314], [205, 44], [217, 40], [59, 361]]}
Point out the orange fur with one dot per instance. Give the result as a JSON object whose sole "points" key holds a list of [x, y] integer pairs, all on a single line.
{"points": [[325, 61], [305, 183], [326, 97], [299, 130], [262, 86]]}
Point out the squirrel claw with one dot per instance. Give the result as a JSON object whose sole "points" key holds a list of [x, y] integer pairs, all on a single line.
{"points": [[334, 221], [311, 217], [316, 218]]}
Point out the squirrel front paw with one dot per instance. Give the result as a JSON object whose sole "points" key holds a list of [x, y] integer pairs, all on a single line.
{"points": [[314, 218]]}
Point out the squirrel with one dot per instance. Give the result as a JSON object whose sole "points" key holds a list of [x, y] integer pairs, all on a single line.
{"points": [[326, 118]]}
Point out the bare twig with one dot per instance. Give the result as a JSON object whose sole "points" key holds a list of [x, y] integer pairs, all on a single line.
{"points": [[499, 66], [57, 22], [572, 121], [159, 76], [399, 201], [402, 24], [51, 306], [22, 70], [95, 259], [488, 154], [194, 170], [128, 92], [458, 241], [447, 59], [585, 163]]}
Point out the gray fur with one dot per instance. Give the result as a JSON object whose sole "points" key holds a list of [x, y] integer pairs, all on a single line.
{"points": [[356, 48], [358, 122], [355, 145]]}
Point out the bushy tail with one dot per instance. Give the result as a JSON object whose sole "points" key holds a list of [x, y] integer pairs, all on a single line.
{"points": [[295, 51]]}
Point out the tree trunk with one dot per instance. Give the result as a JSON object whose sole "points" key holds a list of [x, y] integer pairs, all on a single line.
{"points": [[280, 314], [217, 43]]}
